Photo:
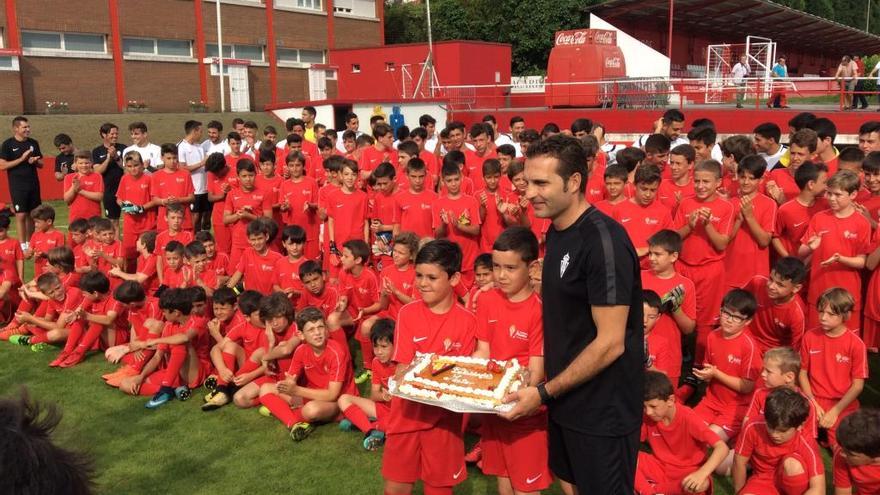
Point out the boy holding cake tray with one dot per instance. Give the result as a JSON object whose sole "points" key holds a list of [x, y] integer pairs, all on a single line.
{"points": [[426, 442], [509, 326]]}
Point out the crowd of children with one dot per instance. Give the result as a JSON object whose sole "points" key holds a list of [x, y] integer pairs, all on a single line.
{"points": [[253, 267]]}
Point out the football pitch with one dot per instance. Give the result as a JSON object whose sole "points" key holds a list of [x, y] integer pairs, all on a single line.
{"points": [[180, 449]]}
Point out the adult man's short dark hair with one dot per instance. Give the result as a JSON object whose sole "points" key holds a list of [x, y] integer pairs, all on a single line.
{"points": [[672, 115], [568, 152], [769, 130]]}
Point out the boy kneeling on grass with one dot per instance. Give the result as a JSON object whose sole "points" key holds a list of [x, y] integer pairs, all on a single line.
{"points": [[325, 369]]}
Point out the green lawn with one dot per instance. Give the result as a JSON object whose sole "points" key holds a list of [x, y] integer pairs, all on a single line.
{"points": [[180, 449], [163, 127]]}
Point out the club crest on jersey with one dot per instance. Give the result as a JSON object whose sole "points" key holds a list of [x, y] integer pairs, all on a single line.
{"points": [[563, 264]]}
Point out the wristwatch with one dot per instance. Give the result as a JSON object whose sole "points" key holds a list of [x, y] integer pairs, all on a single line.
{"points": [[542, 391]]}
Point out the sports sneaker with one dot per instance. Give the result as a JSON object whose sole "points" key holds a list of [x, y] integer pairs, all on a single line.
{"points": [[210, 384], [218, 400], [264, 411], [363, 377], [475, 454], [12, 330], [19, 339], [164, 395], [347, 425], [182, 393], [300, 431], [41, 347], [374, 440]]}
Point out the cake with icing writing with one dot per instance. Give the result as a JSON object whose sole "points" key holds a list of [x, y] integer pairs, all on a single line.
{"points": [[469, 380]]}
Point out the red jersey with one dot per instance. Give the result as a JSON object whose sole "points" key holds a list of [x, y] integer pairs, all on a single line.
{"points": [[784, 179], [10, 252], [163, 238], [271, 186], [514, 330], [850, 236], [219, 263], [82, 207], [371, 157], [759, 400], [173, 278], [404, 281], [234, 321], [114, 250], [682, 443], [792, 219], [257, 269], [215, 188], [326, 301], [765, 456], [671, 194], [382, 372], [609, 208], [105, 305], [138, 316], [662, 354], [743, 257], [832, 363], [663, 286], [296, 195], [697, 249], [362, 290], [207, 277], [73, 299], [349, 214], [462, 208], [166, 184], [333, 364], [248, 336], [147, 266], [860, 479], [775, 325], [493, 222], [421, 330], [538, 226], [872, 299], [736, 356], [467, 187], [641, 222], [473, 166], [136, 190], [255, 200], [286, 273], [412, 211], [40, 244], [432, 164]]}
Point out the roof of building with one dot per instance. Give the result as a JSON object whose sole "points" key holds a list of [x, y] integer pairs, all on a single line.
{"points": [[735, 19]]}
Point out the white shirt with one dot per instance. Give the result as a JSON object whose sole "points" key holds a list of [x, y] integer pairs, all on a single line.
{"points": [[640, 142], [716, 154], [504, 139], [739, 72], [610, 150], [210, 147], [151, 154], [773, 159], [877, 68], [189, 154], [431, 143], [340, 144]]}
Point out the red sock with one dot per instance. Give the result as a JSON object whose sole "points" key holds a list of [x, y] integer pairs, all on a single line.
{"points": [[73, 337], [136, 365], [229, 361], [90, 338], [39, 335], [281, 409], [247, 367], [367, 354], [171, 375], [358, 418]]}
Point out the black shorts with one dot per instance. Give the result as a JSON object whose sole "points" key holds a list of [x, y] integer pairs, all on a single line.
{"points": [[201, 204], [596, 465], [25, 195], [111, 208]]}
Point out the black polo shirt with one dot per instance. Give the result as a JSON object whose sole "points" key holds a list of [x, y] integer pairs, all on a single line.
{"points": [[24, 173], [593, 262], [64, 163], [113, 173]]}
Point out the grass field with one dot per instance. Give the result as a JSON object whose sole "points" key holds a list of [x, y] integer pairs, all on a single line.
{"points": [[163, 127], [180, 449]]}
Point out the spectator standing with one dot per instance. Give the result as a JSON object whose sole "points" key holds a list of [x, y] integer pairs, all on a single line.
{"points": [[739, 73], [20, 156]]}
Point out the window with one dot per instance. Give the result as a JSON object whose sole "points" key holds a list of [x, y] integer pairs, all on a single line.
{"points": [[247, 52], [154, 47], [300, 4], [389, 66], [174, 48], [6, 63], [138, 46], [69, 42], [360, 8], [355, 68], [292, 56]]}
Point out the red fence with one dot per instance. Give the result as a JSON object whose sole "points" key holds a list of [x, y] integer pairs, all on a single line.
{"points": [[49, 187]]}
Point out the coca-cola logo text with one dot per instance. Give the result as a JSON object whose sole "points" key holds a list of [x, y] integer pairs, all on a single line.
{"points": [[571, 38], [612, 62], [586, 37]]}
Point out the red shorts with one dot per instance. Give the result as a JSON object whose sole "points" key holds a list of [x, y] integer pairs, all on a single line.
{"points": [[778, 483], [206, 369], [729, 420], [517, 450], [827, 404], [653, 476], [129, 242], [435, 456], [708, 289], [383, 409]]}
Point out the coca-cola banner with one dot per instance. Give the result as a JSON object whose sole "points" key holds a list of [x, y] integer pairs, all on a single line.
{"points": [[586, 37]]}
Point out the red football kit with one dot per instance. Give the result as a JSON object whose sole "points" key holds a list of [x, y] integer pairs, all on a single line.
{"points": [[371, 157], [859, 479], [222, 232], [641, 222], [784, 179], [173, 278], [766, 458], [163, 238], [661, 355], [405, 281], [677, 450], [871, 326], [736, 356], [349, 214], [412, 212], [666, 326], [671, 194], [258, 203], [166, 184], [82, 207], [41, 243], [381, 207], [114, 250], [473, 166], [759, 401], [850, 236], [493, 222], [609, 208], [258, 269], [426, 442], [318, 370], [147, 266], [271, 186], [135, 190], [744, 257], [297, 195], [792, 219], [287, 273], [462, 208], [775, 325], [10, 252]]}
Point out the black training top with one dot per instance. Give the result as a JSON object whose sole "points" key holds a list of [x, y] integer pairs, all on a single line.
{"points": [[113, 173], [64, 163], [24, 173], [590, 263]]}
